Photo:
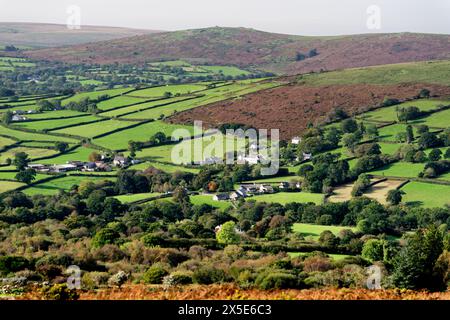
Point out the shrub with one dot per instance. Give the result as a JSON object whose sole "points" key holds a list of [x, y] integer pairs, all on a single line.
{"points": [[60, 292], [12, 264], [181, 277], [154, 274], [118, 279], [276, 280], [208, 275]]}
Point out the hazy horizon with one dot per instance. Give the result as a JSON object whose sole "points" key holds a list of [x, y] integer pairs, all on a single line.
{"points": [[322, 17]]}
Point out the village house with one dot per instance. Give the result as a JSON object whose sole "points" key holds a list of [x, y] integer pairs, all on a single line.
{"points": [[17, 118], [307, 156], [120, 161], [221, 197], [283, 185], [236, 195], [266, 188], [64, 168], [39, 167]]}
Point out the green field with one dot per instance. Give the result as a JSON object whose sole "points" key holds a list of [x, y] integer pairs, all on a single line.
{"points": [[208, 199], [119, 140], [9, 185], [53, 124], [164, 153], [32, 136], [389, 114], [33, 153], [6, 142], [400, 169], [314, 230], [426, 194], [127, 198], [212, 95], [54, 114], [94, 95], [225, 70], [163, 167], [439, 119], [158, 92], [63, 183], [288, 197], [78, 154], [95, 129], [118, 102], [421, 72]]}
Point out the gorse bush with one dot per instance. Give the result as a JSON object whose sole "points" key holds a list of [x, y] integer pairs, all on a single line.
{"points": [[155, 274]]}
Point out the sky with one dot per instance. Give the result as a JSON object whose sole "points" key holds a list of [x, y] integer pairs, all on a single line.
{"points": [[310, 17]]}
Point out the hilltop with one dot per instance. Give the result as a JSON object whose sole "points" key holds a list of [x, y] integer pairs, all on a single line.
{"points": [[32, 35], [284, 54]]}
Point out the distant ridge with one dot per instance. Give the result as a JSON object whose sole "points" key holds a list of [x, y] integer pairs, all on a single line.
{"points": [[41, 35], [284, 54]]}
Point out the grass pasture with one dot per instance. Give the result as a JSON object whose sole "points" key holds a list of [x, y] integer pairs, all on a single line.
{"points": [[288, 197], [94, 95], [208, 199], [119, 140], [400, 169], [33, 153], [94, 129], [313, 231], [9, 185], [118, 102], [63, 183], [128, 198], [389, 114], [79, 154], [28, 136], [163, 167], [54, 124], [426, 194], [158, 92]]}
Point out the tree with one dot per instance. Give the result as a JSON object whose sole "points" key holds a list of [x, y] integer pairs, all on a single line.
{"points": [[61, 146], [21, 161], [413, 266], [435, 155], [227, 233], [373, 250], [360, 185], [409, 134], [351, 140], [447, 154], [428, 140], [372, 131], [422, 129], [420, 157], [95, 202], [154, 274], [26, 176], [394, 196], [7, 117], [94, 156], [349, 125], [424, 93], [104, 236]]}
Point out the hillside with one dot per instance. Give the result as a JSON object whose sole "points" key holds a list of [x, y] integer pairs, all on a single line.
{"points": [[251, 48], [53, 35], [310, 98]]}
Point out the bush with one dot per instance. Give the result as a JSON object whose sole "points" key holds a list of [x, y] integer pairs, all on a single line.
{"points": [[10, 264], [60, 292], [181, 277], [118, 279], [208, 275], [154, 274], [94, 280], [276, 280]]}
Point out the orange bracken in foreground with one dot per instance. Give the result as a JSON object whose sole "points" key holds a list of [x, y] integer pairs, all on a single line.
{"points": [[231, 292]]}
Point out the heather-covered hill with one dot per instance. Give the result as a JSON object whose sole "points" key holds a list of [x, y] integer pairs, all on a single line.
{"points": [[251, 48]]}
